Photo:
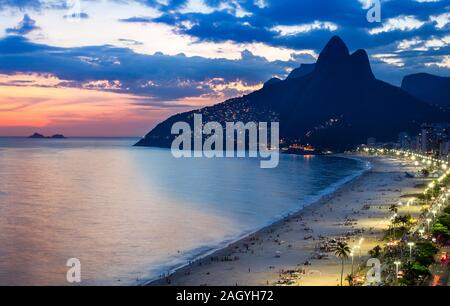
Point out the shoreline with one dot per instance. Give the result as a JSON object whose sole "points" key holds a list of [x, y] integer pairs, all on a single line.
{"points": [[221, 260], [226, 244]]}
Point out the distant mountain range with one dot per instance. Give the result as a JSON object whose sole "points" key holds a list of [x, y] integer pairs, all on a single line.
{"points": [[430, 88], [334, 104]]}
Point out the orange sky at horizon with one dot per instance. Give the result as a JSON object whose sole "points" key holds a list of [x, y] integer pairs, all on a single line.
{"points": [[41, 106]]}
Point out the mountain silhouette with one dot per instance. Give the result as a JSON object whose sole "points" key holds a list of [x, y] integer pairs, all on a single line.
{"points": [[335, 107], [303, 70], [430, 88], [272, 81]]}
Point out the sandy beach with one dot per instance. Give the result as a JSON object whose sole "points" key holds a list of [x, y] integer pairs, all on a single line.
{"points": [[360, 209]]}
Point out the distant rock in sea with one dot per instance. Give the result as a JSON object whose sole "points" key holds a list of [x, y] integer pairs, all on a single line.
{"points": [[58, 136], [37, 135], [40, 136]]}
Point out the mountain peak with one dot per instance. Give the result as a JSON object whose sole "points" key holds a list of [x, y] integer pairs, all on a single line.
{"points": [[334, 54], [335, 60], [336, 41], [361, 64]]}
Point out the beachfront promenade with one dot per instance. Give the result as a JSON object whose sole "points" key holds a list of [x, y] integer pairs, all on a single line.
{"points": [[425, 237]]}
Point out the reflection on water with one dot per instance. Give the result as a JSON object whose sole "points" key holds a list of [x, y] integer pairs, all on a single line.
{"points": [[130, 214]]}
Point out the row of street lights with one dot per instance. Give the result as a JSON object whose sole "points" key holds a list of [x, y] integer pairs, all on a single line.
{"points": [[434, 211], [436, 205]]}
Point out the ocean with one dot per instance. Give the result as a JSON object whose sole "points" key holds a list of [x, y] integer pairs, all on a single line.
{"points": [[131, 214]]}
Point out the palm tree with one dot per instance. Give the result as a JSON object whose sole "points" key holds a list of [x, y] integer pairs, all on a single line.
{"points": [[393, 208], [342, 251], [351, 280]]}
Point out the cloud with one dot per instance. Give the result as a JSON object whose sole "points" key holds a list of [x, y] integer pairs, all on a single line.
{"points": [[444, 62], [130, 42], [36, 5], [20, 3], [441, 20], [80, 15], [26, 26], [306, 24], [159, 77], [391, 59], [417, 44], [138, 19], [400, 23], [303, 28]]}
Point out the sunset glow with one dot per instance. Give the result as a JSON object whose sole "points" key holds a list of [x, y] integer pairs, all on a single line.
{"points": [[44, 107]]}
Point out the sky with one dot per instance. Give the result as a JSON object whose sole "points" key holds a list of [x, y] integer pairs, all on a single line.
{"points": [[119, 67]]}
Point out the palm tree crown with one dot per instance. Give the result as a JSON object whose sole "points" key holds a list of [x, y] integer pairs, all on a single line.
{"points": [[342, 250]]}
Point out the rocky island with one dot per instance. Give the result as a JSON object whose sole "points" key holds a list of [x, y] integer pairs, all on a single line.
{"points": [[40, 136]]}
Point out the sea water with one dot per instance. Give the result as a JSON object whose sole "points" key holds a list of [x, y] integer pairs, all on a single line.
{"points": [[131, 214]]}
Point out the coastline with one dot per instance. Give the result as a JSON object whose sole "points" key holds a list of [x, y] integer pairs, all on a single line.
{"points": [[264, 266], [214, 250]]}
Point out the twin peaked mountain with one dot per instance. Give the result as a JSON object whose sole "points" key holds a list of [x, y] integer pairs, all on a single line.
{"points": [[332, 105]]}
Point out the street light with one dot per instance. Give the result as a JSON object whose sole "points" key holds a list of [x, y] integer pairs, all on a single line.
{"points": [[411, 245], [352, 255], [397, 265], [428, 222], [358, 247], [422, 232]]}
